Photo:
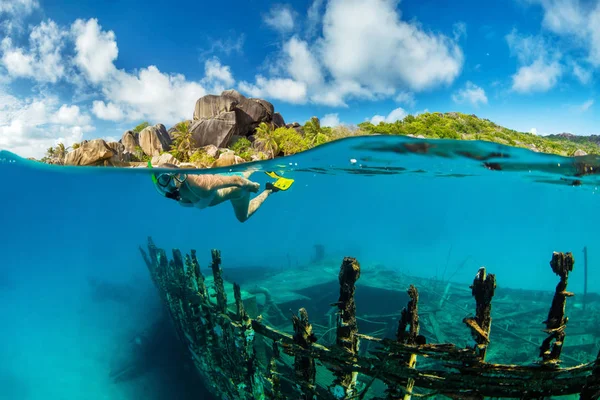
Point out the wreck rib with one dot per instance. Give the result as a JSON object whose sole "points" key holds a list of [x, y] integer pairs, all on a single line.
{"points": [[223, 344]]}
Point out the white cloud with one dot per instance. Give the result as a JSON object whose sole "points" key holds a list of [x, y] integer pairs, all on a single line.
{"points": [[537, 77], [313, 18], [396, 115], [459, 30], [214, 70], [43, 60], [302, 65], [226, 46], [526, 48], [330, 120], [577, 20], [534, 131], [217, 77], [146, 93], [28, 127], [280, 18], [276, 88], [18, 6], [109, 112], [392, 52], [407, 98], [151, 94], [70, 115], [583, 75], [586, 105], [365, 51], [540, 68], [471, 93], [12, 13], [95, 50], [116, 94]]}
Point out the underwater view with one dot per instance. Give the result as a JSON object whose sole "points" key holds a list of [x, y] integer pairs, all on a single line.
{"points": [[324, 199], [82, 317]]}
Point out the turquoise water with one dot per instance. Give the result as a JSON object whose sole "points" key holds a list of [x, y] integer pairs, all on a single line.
{"points": [[76, 295]]}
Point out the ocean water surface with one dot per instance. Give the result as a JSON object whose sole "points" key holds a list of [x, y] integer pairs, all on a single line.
{"points": [[82, 320]]}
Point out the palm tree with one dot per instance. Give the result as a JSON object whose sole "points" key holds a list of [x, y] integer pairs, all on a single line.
{"points": [[265, 140], [313, 132], [183, 141], [312, 127], [60, 153]]}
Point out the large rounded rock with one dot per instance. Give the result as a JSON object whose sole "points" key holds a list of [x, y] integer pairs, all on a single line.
{"points": [[93, 152], [119, 153], [580, 153], [164, 158], [278, 120], [216, 131], [154, 140], [212, 105], [130, 141], [227, 159]]}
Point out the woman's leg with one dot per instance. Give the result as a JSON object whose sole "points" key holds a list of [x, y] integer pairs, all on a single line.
{"points": [[244, 208]]}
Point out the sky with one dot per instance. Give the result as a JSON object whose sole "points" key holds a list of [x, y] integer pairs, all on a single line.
{"points": [[82, 69]]}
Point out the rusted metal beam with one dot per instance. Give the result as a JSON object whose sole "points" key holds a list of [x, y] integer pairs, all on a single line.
{"points": [[344, 384], [218, 280], [483, 288], [591, 390], [304, 364], [562, 264], [449, 369]]}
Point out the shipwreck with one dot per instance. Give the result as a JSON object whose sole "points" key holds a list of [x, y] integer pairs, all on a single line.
{"points": [[246, 344]]}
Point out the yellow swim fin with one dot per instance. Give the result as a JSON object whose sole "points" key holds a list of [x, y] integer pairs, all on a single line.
{"points": [[281, 183]]}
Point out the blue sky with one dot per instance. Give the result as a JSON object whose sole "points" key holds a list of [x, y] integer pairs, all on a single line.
{"points": [[73, 70]]}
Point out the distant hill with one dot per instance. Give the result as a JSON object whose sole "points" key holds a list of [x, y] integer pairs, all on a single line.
{"points": [[576, 138], [455, 125]]}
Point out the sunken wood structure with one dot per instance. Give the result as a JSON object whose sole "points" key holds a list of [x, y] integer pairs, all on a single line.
{"points": [[244, 357]]}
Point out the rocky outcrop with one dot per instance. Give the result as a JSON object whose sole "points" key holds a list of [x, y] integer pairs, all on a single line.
{"points": [[154, 140], [212, 105], [580, 153], [211, 150], [295, 126], [130, 141], [93, 152], [278, 120], [216, 131], [227, 159], [119, 153], [164, 158], [218, 118], [173, 129]]}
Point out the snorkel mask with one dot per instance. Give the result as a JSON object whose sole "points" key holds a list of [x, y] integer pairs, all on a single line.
{"points": [[168, 183]]}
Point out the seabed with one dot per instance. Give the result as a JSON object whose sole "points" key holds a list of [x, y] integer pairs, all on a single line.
{"points": [[418, 337]]}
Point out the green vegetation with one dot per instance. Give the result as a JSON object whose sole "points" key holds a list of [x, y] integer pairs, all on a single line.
{"points": [[139, 155], [183, 142], [56, 155], [141, 126], [469, 127], [243, 148], [200, 157], [270, 142]]}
